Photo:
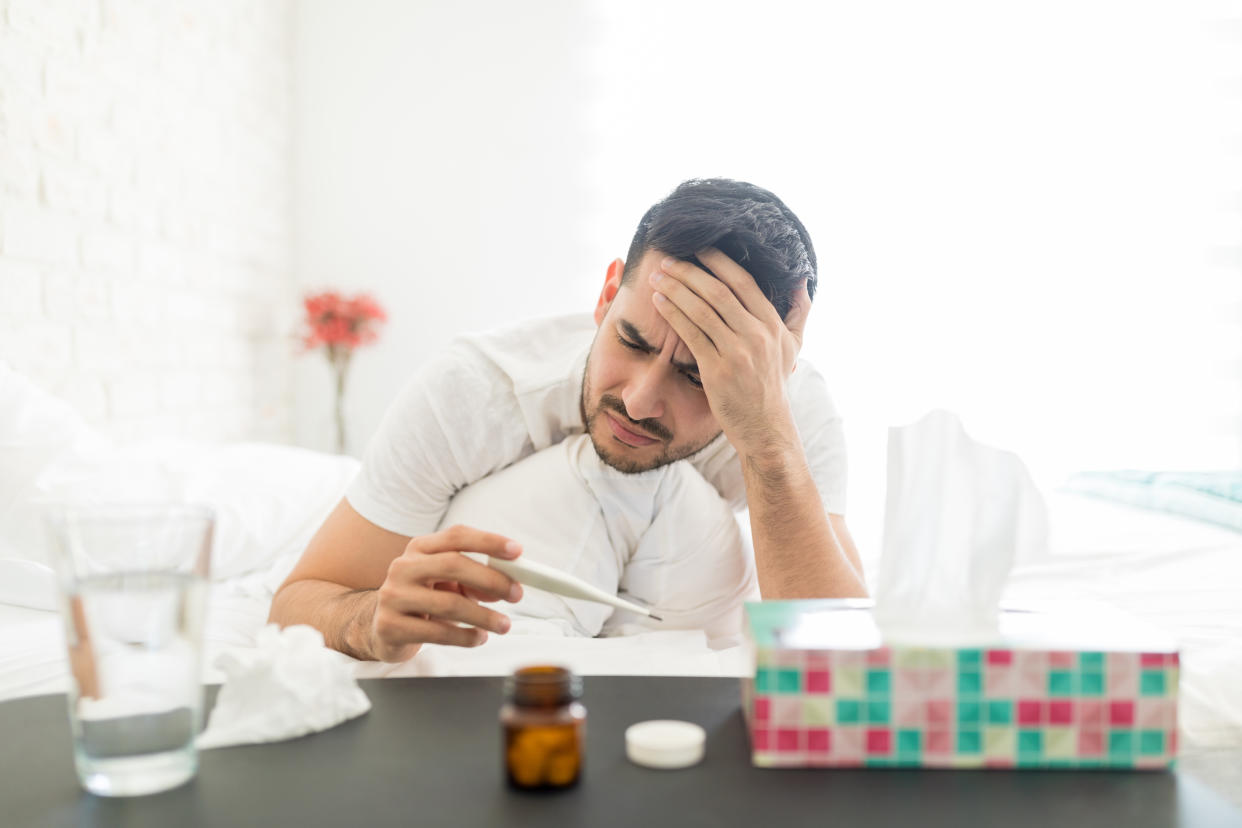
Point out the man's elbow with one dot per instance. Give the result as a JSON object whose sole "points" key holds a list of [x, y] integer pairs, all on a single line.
{"points": [[279, 612]]}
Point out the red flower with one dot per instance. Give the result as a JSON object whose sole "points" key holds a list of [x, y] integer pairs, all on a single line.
{"points": [[339, 323]]}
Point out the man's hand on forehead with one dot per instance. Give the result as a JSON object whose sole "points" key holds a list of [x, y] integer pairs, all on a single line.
{"points": [[745, 352]]}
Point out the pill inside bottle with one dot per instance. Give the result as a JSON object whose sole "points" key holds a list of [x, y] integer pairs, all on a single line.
{"points": [[544, 728]]}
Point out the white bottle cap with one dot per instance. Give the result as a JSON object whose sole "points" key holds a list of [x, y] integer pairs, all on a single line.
{"points": [[665, 743]]}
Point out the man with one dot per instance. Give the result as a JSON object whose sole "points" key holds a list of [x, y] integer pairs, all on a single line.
{"points": [[693, 357]]}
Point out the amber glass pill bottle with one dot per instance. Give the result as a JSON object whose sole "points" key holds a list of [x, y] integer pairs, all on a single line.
{"points": [[544, 726]]}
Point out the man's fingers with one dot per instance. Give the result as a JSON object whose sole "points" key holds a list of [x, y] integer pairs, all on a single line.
{"points": [[486, 583], [700, 345], [515, 594], [701, 312], [712, 293], [740, 282], [397, 629], [466, 539], [442, 605]]}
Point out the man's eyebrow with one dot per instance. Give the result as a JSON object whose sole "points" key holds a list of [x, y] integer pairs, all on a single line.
{"points": [[632, 334]]}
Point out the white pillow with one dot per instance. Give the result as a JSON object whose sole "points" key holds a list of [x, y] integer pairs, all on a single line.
{"points": [[269, 499]]}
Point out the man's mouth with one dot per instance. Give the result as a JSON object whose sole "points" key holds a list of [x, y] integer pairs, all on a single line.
{"points": [[630, 438]]}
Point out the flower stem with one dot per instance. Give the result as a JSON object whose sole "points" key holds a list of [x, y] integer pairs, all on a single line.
{"points": [[340, 363]]}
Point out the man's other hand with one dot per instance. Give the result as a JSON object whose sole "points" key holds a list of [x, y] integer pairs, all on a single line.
{"points": [[745, 352]]}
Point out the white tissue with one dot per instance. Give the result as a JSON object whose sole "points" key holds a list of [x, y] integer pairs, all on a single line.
{"points": [[289, 685], [958, 515]]}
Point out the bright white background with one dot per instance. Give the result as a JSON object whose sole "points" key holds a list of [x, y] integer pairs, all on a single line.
{"points": [[1028, 213]]}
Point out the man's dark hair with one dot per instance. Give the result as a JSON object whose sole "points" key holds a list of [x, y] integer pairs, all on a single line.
{"points": [[747, 223]]}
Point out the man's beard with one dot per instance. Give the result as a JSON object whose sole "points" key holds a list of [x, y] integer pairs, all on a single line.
{"points": [[670, 454]]}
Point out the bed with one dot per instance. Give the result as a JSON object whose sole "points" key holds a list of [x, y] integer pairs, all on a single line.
{"points": [[1184, 575]]}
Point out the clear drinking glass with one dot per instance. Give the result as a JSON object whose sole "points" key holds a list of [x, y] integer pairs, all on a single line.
{"points": [[133, 593]]}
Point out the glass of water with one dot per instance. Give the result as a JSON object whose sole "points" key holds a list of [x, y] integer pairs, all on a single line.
{"points": [[133, 593]]}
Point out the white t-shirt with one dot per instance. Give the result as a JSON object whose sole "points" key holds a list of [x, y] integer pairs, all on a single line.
{"points": [[491, 399]]}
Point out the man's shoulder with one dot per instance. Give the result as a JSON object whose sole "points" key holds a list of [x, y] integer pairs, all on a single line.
{"points": [[808, 392], [533, 352], [532, 337]]}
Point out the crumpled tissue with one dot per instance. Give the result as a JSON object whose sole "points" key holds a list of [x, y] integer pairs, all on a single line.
{"points": [[289, 685], [958, 515]]}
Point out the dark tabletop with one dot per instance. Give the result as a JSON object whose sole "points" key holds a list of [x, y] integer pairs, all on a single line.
{"points": [[428, 754]]}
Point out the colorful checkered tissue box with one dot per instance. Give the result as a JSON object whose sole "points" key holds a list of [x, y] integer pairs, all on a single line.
{"points": [[1056, 691]]}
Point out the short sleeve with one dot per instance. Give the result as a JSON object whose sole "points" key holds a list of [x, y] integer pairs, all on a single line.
{"points": [[455, 422], [823, 436]]}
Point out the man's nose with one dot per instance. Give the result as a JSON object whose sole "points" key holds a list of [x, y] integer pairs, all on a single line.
{"points": [[643, 396]]}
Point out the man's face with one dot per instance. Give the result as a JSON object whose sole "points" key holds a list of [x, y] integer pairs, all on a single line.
{"points": [[641, 399]]}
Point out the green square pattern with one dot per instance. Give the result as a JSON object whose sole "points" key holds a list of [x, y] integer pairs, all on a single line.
{"points": [[1091, 684], [969, 742], [1120, 744], [1091, 662], [1151, 683], [1151, 742], [878, 682], [788, 681], [1060, 683], [969, 659], [1000, 712], [969, 712], [909, 742], [969, 684], [765, 680], [849, 711], [877, 712], [1030, 743]]}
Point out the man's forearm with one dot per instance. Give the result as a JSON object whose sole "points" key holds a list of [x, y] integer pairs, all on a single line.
{"points": [[343, 615], [797, 555]]}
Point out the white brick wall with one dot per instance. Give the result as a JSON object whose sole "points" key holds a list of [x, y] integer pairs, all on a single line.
{"points": [[144, 211]]}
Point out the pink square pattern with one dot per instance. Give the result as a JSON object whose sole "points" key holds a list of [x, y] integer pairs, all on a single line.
{"points": [[818, 661], [818, 681], [939, 712], [1061, 660], [1060, 712], [939, 742], [1090, 743], [881, 657], [1000, 657], [818, 739], [1031, 712]]}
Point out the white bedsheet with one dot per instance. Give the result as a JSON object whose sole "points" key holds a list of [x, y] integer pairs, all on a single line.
{"points": [[1181, 575]]}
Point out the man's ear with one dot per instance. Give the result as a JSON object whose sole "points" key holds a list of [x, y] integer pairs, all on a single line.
{"points": [[612, 283]]}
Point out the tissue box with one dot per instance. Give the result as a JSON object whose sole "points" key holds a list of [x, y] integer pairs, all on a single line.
{"points": [[1056, 689]]}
